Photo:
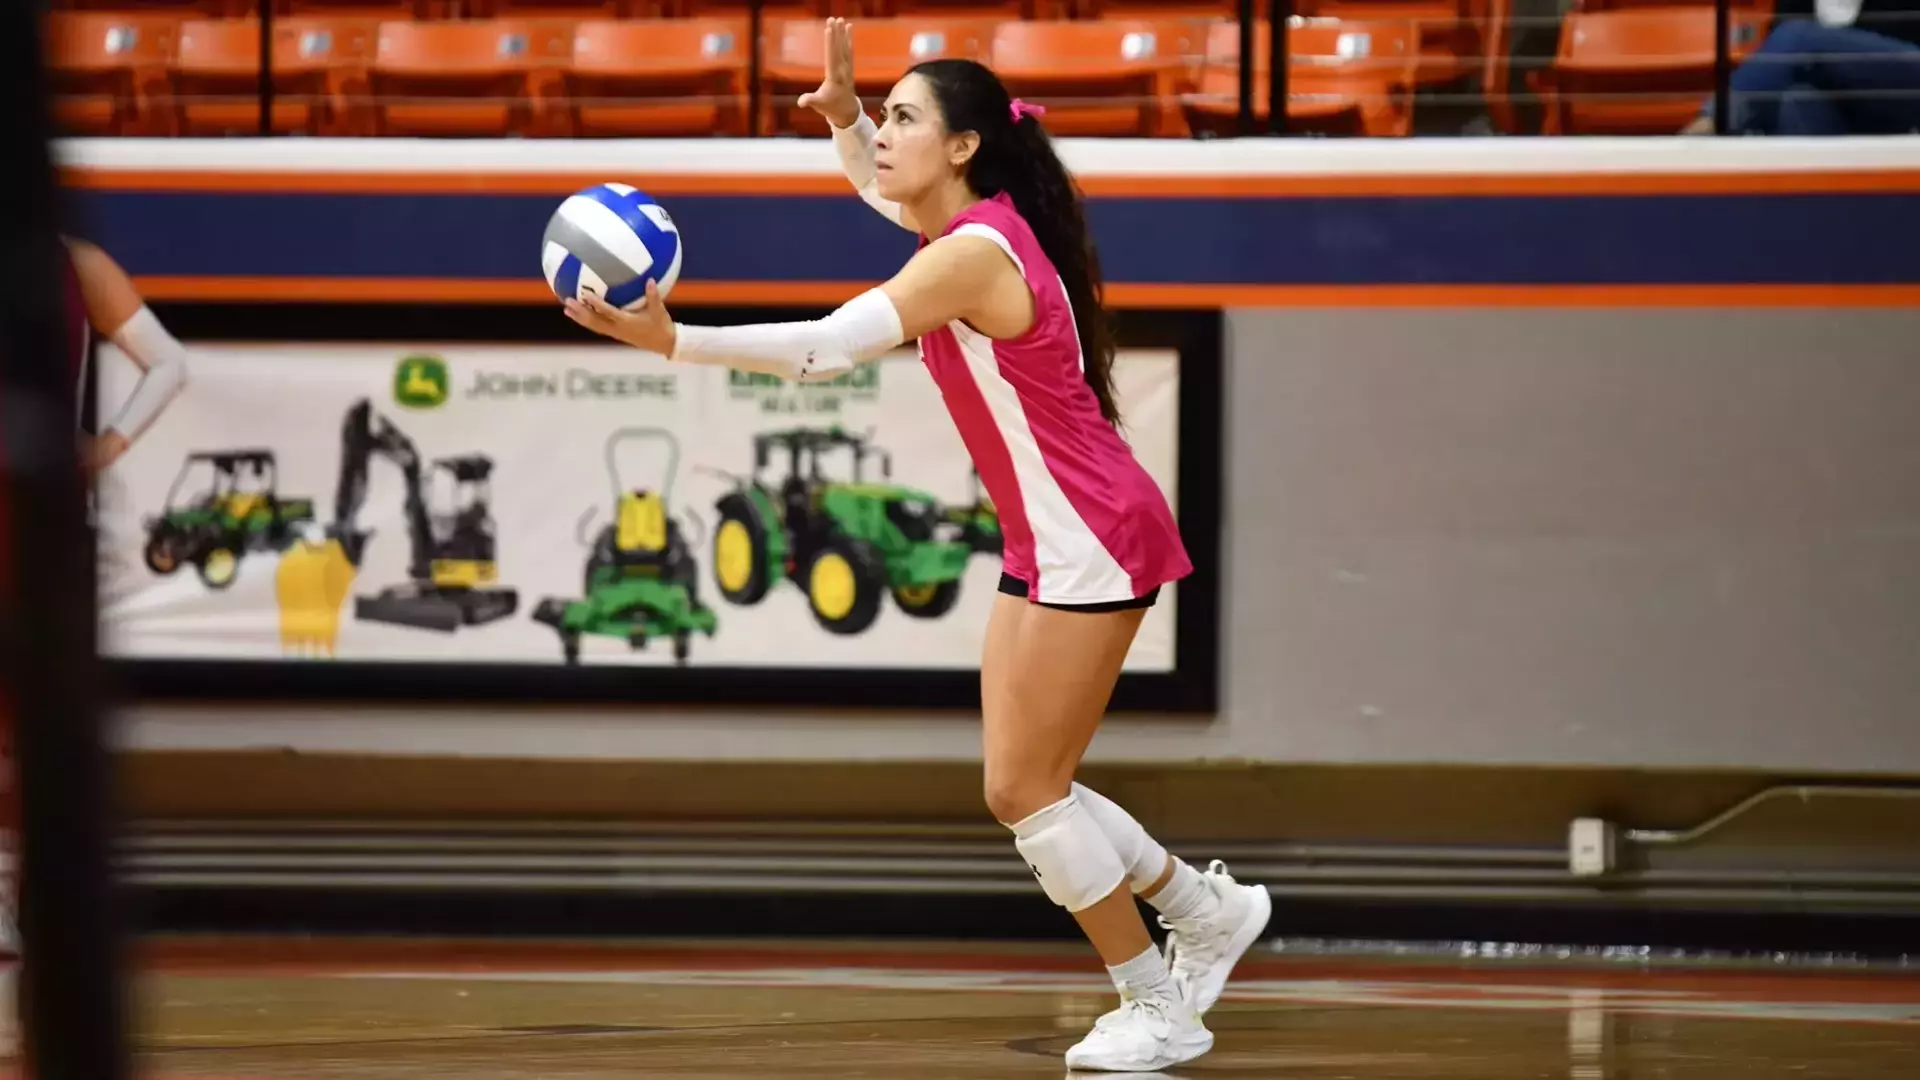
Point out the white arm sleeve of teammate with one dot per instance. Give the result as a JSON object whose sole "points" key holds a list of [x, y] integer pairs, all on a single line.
{"points": [[165, 360], [864, 328], [855, 147]]}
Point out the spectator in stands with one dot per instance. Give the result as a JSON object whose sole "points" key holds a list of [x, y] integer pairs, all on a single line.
{"points": [[1851, 69]]}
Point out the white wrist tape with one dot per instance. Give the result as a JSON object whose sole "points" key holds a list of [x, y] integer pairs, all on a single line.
{"points": [[854, 145], [1066, 850], [147, 342], [864, 328]]}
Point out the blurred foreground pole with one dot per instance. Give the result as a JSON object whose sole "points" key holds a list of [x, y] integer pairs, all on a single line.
{"points": [[70, 999]]}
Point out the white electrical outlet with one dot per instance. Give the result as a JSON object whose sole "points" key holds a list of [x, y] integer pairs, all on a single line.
{"points": [[1590, 847]]}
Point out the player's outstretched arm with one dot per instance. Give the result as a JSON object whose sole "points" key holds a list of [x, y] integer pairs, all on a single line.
{"points": [[117, 311], [959, 276], [853, 130]]}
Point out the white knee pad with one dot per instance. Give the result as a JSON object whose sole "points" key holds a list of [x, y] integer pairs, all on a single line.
{"points": [[1143, 856], [1070, 854]]}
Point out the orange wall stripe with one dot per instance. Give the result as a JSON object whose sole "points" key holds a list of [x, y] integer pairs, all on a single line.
{"points": [[1885, 181], [1125, 295]]}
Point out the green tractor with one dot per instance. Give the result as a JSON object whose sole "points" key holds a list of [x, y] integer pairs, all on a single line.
{"points": [[642, 581], [846, 544], [237, 509]]}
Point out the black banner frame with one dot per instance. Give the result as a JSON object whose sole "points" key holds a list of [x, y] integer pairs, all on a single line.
{"points": [[1191, 688]]}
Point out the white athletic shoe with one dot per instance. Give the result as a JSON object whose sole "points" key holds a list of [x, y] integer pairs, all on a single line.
{"points": [[1202, 951], [1145, 1034]]}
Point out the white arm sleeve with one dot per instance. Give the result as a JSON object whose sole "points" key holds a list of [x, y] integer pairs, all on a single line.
{"points": [[864, 328], [165, 360], [855, 147]]}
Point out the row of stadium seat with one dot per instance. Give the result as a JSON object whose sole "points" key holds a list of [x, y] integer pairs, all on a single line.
{"points": [[654, 9], [1618, 70]]}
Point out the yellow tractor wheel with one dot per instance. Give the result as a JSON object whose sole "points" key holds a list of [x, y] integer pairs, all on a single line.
{"points": [[740, 552], [927, 601], [845, 582], [733, 556], [831, 586], [219, 566]]}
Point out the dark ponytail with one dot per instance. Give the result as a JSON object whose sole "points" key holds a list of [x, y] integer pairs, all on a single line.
{"points": [[1017, 157]]}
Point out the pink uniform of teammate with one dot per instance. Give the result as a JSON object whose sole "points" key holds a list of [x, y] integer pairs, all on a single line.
{"points": [[1004, 297]]}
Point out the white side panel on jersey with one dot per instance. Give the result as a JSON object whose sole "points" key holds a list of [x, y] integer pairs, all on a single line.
{"points": [[980, 229], [988, 232], [1073, 564]]}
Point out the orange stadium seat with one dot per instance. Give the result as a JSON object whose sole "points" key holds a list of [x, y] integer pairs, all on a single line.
{"points": [[1637, 70], [1106, 77], [770, 10], [883, 49], [1630, 5], [1156, 9], [965, 9], [108, 71], [1343, 78], [669, 77], [1453, 34], [216, 76], [185, 9], [463, 78], [368, 9], [565, 9]]}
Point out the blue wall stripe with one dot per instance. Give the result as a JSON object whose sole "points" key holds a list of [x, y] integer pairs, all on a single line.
{"points": [[1663, 239]]}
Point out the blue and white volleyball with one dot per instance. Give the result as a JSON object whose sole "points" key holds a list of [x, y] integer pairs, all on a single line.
{"points": [[610, 240]]}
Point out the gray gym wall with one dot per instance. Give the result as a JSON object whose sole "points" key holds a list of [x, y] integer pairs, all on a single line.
{"points": [[1664, 538], [1533, 536]]}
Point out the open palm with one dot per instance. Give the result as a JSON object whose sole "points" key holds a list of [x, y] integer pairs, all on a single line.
{"points": [[835, 99]]}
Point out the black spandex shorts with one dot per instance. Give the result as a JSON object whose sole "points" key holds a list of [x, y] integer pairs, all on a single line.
{"points": [[1013, 586]]}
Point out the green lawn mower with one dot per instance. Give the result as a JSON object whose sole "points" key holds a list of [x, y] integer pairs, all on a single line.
{"points": [[846, 544], [237, 509], [642, 581]]}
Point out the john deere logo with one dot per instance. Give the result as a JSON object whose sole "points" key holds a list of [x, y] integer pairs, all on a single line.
{"points": [[776, 395], [420, 382]]}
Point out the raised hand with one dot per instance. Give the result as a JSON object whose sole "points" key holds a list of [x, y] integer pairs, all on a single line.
{"points": [[835, 99]]}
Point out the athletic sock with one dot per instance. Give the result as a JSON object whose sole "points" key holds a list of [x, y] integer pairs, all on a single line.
{"points": [[1145, 975], [1186, 895]]}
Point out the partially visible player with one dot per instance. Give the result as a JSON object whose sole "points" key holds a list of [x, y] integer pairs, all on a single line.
{"points": [[101, 304], [103, 301], [1004, 299]]}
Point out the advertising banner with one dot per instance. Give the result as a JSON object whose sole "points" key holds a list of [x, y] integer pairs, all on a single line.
{"points": [[563, 505]]}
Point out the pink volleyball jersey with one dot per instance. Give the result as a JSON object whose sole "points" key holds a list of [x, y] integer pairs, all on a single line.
{"points": [[1083, 522]]}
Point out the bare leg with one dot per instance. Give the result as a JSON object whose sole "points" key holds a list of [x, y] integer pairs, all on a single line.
{"points": [[1046, 678]]}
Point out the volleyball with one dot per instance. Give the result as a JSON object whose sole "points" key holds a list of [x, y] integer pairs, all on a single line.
{"points": [[610, 239]]}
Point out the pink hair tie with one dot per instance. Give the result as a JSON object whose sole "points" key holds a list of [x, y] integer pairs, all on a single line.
{"points": [[1021, 108]]}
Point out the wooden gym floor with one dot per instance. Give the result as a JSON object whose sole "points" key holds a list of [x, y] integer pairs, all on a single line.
{"points": [[319, 1009]]}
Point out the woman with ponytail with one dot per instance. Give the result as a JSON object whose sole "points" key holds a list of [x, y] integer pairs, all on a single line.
{"points": [[1004, 299]]}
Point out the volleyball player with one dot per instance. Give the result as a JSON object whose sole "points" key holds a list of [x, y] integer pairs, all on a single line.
{"points": [[1003, 296]]}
